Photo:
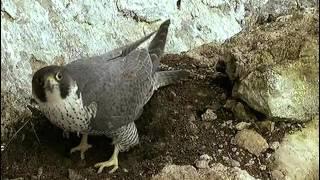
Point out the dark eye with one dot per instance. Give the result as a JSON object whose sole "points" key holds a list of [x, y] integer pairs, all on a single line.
{"points": [[58, 76], [40, 81]]}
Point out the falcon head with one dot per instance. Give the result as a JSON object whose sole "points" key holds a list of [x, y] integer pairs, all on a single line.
{"points": [[51, 83]]}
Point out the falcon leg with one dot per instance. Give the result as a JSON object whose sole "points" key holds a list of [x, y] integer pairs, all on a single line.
{"points": [[82, 147], [113, 161]]}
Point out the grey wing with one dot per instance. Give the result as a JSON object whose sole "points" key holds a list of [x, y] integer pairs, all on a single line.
{"points": [[121, 51], [120, 88]]}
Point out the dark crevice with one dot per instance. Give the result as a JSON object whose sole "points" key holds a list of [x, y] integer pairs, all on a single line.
{"points": [[131, 14], [179, 4]]}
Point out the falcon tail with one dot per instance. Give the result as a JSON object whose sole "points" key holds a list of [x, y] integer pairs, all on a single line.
{"points": [[165, 78], [157, 44]]}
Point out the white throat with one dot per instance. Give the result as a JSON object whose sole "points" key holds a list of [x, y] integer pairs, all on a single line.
{"points": [[69, 114]]}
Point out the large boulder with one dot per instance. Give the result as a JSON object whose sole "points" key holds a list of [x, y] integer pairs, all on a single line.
{"points": [[275, 67], [38, 33], [298, 154], [216, 171]]}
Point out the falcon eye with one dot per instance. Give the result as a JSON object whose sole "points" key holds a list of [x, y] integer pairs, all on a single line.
{"points": [[58, 76], [40, 81]]}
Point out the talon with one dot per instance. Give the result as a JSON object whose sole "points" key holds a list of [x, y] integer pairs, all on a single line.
{"points": [[113, 161], [82, 147]]}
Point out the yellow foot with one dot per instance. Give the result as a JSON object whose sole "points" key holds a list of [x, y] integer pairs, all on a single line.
{"points": [[82, 147], [113, 161]]}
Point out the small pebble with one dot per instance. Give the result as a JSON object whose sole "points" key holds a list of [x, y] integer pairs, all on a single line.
{"points": [[234, 163], [250, 163], [203, 163], [275, 145], [205, 157], [263, 167], [219, 150], [242, 125], [209, 115], [225, 158], [234, 149], [125, 170], [268, 155], [227, 123], [2, 147]]}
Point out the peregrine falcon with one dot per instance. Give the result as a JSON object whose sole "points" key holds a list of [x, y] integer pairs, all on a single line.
{"points": [[104, 95]]}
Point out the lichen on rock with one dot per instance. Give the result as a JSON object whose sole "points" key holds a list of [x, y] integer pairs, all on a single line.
{"points": [[275, 68]]}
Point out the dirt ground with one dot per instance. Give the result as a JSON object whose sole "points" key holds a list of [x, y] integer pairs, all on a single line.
{"points": [[171, 132]]}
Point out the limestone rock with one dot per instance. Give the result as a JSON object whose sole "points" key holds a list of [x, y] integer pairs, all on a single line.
{"points": [[267, 11], [252, 141], [177, 172], [298, 154], [203, 162], [209, 115], [217, 171], [275, 145], [242, 125], [275, 68]]}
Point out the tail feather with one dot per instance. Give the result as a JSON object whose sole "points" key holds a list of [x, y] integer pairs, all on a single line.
{"points": [[157, 44], [128, 48], [165, 78]]}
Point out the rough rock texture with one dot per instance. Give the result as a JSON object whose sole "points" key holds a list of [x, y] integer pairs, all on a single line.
{"points": [[173, 172], [239, 110], [298, 154], [252, 141], [261, 11], [217, 171], [275, 67], [37, 33]]}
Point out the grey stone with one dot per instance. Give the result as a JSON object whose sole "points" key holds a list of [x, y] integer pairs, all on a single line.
{"points": [[216, 171], [263, 167], [242, 125], [234, 163], [203, 162], [209, 115], [252, 141], [274, 145], [298, 154], [277, 68], [260, 12], [177, 172]]}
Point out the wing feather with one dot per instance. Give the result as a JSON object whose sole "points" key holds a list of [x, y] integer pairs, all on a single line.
{"points": [[120, 88]]}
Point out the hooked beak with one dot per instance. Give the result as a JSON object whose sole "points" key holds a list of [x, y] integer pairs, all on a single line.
{"points": [[49, 83]]}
